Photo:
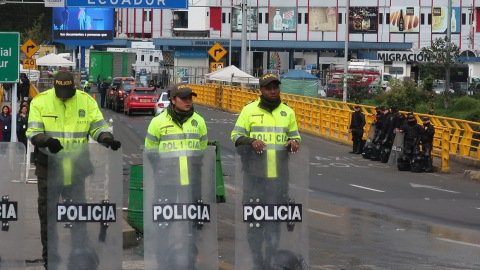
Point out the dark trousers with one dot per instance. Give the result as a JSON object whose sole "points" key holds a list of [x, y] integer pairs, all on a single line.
{"points": [[22, 138], [6, 136], [102, 99], [268, 191]]}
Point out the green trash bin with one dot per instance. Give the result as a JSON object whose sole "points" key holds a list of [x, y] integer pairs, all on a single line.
{"points": [[135, 198]]}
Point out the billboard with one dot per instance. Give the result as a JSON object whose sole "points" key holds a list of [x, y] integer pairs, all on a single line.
{"points": [[363, 20], [282, 19], [440, 17], [404, 19], [252, 19], [322, 19], [82, 26]]}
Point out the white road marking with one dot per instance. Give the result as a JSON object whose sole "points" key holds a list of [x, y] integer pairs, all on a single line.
{"points": [[322, 213], [432, 187], [478, 208], [459, 242], [376, 190], [129, 126], [319, 174]]}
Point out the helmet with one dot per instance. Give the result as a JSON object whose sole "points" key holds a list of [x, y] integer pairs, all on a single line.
{"points": [[417, 164], [385, 154], [403, 163], [367, 151], [83, 259], [376, 152]]}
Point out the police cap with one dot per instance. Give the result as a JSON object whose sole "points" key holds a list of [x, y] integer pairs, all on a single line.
{"points": [[181, 90], [64, 84], [268, 78]]}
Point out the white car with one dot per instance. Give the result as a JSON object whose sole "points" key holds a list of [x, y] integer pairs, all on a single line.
{"points": [[162, 103], [439, 88]]}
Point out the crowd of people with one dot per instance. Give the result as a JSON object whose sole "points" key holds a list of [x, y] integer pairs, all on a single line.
{"points": [[22, 122], [415, 146]]}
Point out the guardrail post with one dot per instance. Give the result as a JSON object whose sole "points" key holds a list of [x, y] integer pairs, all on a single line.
{"points": [[445, 168]]}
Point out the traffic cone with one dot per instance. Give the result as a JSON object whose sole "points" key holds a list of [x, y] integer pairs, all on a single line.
{"points": [[94, 96]]}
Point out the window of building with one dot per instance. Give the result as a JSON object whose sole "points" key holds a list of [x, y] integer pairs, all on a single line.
{"points": [[387, 18], [146, 16], [396, 70], [142, 58], [299, 18], [422, 19], [260, 17], [156, 60], [464, 18], [429, 18], [151, 58], [306, 18], [266, 18], [380, 18], [229, 17], [340, 21], [223, 17], [180, 19]]}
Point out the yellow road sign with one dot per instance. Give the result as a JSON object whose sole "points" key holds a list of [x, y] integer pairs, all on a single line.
{"points": [[217, 52], [214, 66], [29, 63], [29, 48]]}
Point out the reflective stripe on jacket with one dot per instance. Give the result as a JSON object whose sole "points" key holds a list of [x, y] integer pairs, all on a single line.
{"points": [[173, 141], [71, 122], [274, 129]]}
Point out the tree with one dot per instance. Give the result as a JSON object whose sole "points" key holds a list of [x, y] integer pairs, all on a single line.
{"points": [[38, 33], [440, 57]]}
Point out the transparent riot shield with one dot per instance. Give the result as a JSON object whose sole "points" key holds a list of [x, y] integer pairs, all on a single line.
{"points": [[397, 149], [271, 209], [12, 206], [180, 211], [84, 201], [371, 133]]}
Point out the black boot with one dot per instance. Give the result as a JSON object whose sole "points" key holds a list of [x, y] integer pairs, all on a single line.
{"points": [[355, 145], [428, 165], [360, 146]]}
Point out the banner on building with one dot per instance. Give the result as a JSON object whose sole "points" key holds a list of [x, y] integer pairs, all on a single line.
{"points": [[363, 20], [282, 19], [252, 20], [322, 19], [440, 20], [82, 26], [404, 19], [278, 61]]}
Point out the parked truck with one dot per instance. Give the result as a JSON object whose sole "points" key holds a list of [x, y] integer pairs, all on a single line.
{"points": [[109, 65]]}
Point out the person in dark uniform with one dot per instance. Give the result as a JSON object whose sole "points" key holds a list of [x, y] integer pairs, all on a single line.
{"points": [[413, 133], [103, 92], [427, 143], [356, 128], [399, 119], [387, 128], [378, 123]]}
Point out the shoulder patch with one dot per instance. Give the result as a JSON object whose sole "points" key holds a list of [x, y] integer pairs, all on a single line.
{"points": [[251, 101], [391, 118], [286, 104]]}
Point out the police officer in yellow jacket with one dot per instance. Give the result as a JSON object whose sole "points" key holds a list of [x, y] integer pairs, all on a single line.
{"points": [[175, 140], [59, 119], [270, 127]]}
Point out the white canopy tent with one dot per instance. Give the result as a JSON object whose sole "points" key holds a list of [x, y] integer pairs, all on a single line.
{"points": [[231, 74], [54, 60]]}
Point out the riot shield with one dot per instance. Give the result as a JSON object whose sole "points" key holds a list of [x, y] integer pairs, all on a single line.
{"points": [[371, 133], [84, 203], [12, 206], [180, 211], [271, 209], [397, 149]]}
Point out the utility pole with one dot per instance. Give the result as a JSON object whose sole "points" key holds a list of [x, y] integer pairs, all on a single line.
{"points": [[244, 36], [345, 66], [449, 42]]}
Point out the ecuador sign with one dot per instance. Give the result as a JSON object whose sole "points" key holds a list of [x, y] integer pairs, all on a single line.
{"points": [[9, 57], [158, 4]]}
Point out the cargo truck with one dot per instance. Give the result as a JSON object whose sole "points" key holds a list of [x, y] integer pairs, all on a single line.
{"points": [[109, 65]]}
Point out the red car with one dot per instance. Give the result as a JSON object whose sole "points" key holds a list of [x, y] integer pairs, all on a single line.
{"points": [[141, 99]]}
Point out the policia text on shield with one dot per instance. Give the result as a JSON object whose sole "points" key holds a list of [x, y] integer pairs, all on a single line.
{"points": [[63, 118]]}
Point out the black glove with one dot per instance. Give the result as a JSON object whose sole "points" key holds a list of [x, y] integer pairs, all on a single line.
{"points": [[54, 145], [115, 145]]}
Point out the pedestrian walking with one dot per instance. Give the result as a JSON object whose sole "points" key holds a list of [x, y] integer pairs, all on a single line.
{"points": [[356, 128], [25, 89], [103, 92], [7, 91], [55, 115], [6, 120], [427, 144], [22, 125], [270, 127]]}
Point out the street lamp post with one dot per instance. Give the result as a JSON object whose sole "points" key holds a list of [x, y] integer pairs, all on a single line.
{"points": [[345, 67], [244, 35]]}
